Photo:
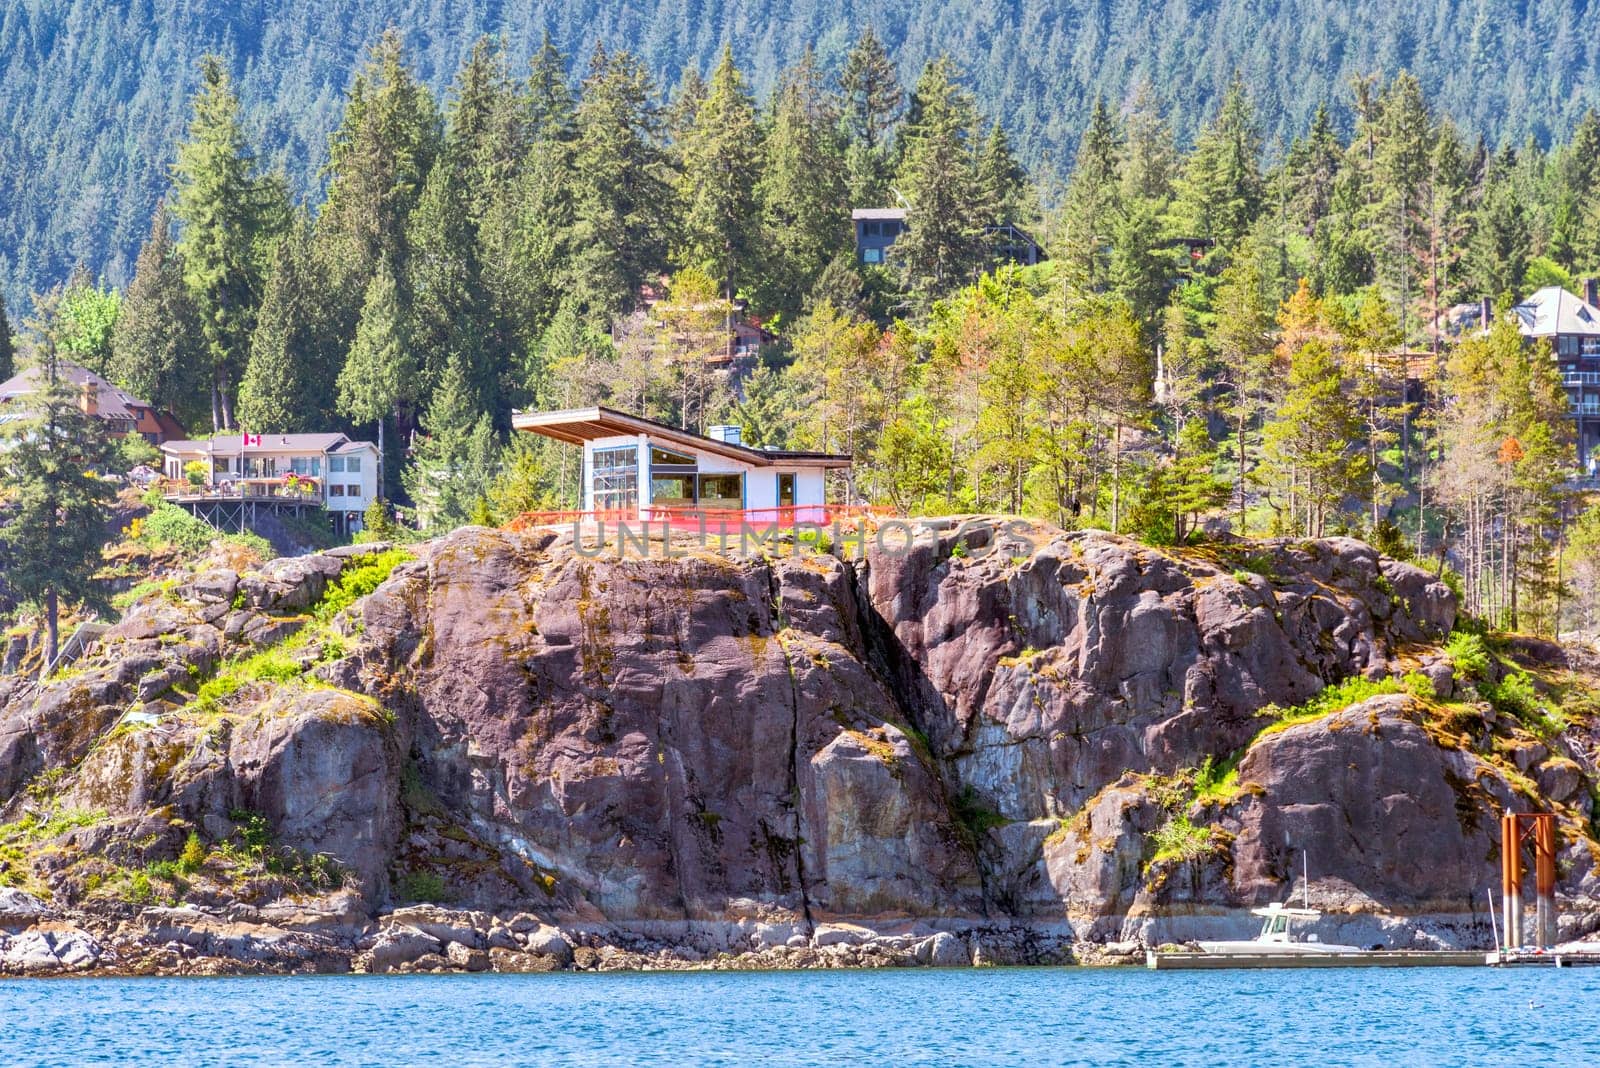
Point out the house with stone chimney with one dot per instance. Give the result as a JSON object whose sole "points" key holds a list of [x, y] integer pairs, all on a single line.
{"points": [[121, 411]]}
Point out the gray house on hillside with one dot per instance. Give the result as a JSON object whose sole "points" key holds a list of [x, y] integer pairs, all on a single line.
{"points": [[876, 229]]}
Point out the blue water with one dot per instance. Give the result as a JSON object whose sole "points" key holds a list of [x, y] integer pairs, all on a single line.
{"points": [[1446, 1016]]}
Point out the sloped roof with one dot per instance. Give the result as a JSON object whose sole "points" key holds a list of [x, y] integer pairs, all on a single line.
{"points": [[878, 213], [233, 444], [577, 425], [1552, 310], [112, 401]]}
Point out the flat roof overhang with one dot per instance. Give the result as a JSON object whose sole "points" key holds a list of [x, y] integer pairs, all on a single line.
{"points": [[574, 426]]}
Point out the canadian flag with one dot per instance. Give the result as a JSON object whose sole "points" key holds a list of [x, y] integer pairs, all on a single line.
{"points": [[252, 439]]}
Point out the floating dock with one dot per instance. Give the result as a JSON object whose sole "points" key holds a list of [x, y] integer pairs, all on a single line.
{"points": [[1547, 958], [1377, 958]]}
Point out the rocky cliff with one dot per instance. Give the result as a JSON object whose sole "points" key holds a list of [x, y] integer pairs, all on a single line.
{"points": [[997, 740]]}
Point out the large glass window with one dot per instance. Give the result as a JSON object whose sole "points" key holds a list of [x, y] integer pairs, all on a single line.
{"points": [[353, 465], [306, 465], [722, 492], [671, 491], [660, 457], [336, 465], [615, 480]]}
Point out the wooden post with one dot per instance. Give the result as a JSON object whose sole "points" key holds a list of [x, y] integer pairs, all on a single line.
{"points": [[1511, 880]]}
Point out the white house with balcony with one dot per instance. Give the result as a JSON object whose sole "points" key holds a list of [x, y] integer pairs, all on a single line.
{"points": [[244, 473], [639, 469]]}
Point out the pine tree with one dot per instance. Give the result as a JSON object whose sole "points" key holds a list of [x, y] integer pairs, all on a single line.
{"points": [[619, 186], [157, 351], [1312, 165], [1220, 193], [1309, 463], [8, 351], [1002, 184], [801, 189], [1093, 203], [55, 521], [379, 157], [872, 104], [1498, 251], [1400, 171], [288, 382], [721, 167], [942, 244], [380, 374], [229, 215], [456, 459]]}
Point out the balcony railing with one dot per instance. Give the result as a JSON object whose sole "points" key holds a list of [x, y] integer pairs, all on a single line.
{"points": [[305, 490], [1580, 378]]}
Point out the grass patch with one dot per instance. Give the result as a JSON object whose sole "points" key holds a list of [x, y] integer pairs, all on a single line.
{"points": [[1331, 699], [361, 576], [1179, 839], [1217, 784]]}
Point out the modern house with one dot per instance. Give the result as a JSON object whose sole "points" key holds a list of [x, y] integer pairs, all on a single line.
{"points": [[876, 229], [245, 473], [637, 469], [1572, 326], [121, 411]]}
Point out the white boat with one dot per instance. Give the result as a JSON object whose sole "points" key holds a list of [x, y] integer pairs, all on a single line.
{"points": [[1277, 936], [1277, 930]]}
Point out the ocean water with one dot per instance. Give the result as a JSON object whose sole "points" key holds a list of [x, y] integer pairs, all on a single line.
{"points": [[1007, 1016]]}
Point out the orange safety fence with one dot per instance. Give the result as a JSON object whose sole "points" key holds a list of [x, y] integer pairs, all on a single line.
{"points": [[712, 520]]}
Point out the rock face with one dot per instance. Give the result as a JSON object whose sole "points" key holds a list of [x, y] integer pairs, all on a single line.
{"points": [[983, 725]]}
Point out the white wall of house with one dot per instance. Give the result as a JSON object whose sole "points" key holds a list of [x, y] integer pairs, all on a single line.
{"points": [[760, 483], [351, 478]]}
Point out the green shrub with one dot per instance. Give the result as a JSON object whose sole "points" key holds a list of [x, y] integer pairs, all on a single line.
{"points": [[421, 886], [1180, 839], [193, 856], [254, 542], [1470, 655], [1217, 782], [1419, 686], [170, 525], [363, 575]]}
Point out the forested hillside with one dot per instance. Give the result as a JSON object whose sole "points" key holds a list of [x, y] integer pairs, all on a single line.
{"points": [[94, 91]]}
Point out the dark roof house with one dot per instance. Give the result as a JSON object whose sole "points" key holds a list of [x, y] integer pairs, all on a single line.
{"points": [[122, 412]]}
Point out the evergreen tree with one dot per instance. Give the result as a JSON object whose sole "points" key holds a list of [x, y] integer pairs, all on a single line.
{"points": [[288, 381], [229, 215], [872, 104], [1311, 167], [157, 352], [1002, 184], [456, 459], [1400, 171], [721, 167], [380, 374], [942, 244], [801, 189], [1309, 464], [379, 157], [1220, 193], [55, 521], [1093, 201], [8, 350], [1498, 251], [619, 186]]}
